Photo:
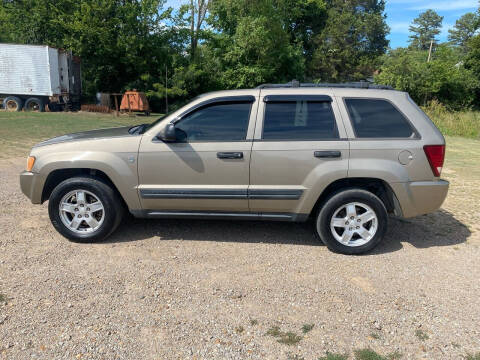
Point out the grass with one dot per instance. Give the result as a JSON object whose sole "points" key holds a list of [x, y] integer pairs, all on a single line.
{"points": [[287, 338], [454, 123], [3, 298], [375, 336], [473, 356], [369, 354], [239, 329], [307, 328], [19, 131], [253, 322], [421, 335]]}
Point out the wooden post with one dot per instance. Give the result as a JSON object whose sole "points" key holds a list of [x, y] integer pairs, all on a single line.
{"points": [[129, 110], [116, 105]]}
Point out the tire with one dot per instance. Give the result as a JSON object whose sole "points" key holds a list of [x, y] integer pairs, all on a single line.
{"points": [[350, 209], [34, 104], [12, 104], [85, 208]]}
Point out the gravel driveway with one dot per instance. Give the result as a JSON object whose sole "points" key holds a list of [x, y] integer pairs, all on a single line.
{"points": [[212, 290]]}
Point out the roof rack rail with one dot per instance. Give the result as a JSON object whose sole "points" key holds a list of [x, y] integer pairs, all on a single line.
{"points": [[356, 85]]}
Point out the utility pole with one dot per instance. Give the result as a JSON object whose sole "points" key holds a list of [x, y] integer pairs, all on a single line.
{"points": [[430, 51], [166, 89]]}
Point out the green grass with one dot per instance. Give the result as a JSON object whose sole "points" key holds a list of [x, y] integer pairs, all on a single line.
{"points": [[473, 356], [19, 131], [307, 328], [288, 338], [3, 298], [369, 354], [421, 335], [454, 123]]}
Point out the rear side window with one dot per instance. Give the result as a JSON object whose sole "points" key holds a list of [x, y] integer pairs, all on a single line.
{"points": [[374, 118], [299, 120]]}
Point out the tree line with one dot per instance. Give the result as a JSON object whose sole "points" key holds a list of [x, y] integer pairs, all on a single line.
{"points": [[206, 45]]}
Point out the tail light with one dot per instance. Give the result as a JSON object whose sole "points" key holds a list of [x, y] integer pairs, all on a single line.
{"points": [[435, 155]]}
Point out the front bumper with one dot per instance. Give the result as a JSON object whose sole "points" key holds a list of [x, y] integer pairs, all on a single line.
{"points": [[32, 186], [420, 197]]}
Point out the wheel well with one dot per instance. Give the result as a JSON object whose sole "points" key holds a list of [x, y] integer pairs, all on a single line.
{"points": [[57, 176], [376, 186]]}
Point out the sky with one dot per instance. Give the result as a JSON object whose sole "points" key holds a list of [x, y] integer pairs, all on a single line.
{"points": [[400, 14]]}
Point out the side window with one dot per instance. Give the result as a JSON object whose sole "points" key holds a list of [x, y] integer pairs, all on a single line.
{"points": [[299, 120], [373, 118], [216, 122]]}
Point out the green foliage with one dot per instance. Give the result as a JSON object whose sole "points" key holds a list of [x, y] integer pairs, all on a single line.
{"points": [[350, 44], [444, 78], [421, 335], [473, 356], [368, 354], [288, 338], [307, 328], [464, 29], [454, 123], [425, 29]]}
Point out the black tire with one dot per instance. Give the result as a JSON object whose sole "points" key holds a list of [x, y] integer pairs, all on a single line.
{"points": [[113, 209], [34, 104], [342, 198], [12, 103]]}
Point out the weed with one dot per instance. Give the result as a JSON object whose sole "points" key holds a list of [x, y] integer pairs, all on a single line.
{"points": [[473, 356], [331, 356], [274, 331], [375, 336], [369, 354], [3, 298], [239, 329], [288, 338], [421, 335], [455, 345], [307, 328], [253, 322]]}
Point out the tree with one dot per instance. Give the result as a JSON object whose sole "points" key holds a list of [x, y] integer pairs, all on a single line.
{"points": [[464, 29], [353, 39], [198, 11], [444, 78], [425, 29]]}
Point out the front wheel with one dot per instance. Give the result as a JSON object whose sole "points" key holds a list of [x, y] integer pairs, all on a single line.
{"points": [[84, 209], [352, 221]]}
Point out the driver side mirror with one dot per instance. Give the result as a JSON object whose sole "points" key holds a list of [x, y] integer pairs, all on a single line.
{"points": [[168, 134]]}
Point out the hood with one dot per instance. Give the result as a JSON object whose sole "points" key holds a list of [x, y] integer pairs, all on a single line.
{"points": [[88, 135]]}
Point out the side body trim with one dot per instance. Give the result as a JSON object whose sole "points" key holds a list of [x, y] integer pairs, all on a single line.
{"points": [[221, 194]]}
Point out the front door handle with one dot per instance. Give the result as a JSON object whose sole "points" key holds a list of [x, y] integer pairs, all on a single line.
{"points": [[230, 155], [327, 154]]}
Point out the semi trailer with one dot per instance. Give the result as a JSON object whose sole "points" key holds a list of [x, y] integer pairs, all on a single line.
{"points": [[33, 77]]}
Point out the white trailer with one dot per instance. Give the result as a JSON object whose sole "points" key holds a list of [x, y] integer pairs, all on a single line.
{"points": [[32, 77]]}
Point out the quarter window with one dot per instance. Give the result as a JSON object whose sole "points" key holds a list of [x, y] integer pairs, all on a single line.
{"points": [[216, 122], [373, 118], [299, 120]]}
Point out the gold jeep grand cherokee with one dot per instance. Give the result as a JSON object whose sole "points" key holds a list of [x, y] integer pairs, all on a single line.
{"points": [[346, 155]]}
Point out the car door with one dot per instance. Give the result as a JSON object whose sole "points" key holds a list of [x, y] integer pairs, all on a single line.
{"points": [[300, 147], [207, 168]]}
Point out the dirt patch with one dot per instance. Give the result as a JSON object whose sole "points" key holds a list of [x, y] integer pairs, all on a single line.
{"points": [[184, 289]]}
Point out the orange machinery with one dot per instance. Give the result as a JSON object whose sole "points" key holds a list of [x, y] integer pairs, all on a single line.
{"points": [[135, 101]]}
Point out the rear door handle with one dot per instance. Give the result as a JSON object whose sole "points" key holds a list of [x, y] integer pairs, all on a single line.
{"points": [[230, 155], [327, 154]]}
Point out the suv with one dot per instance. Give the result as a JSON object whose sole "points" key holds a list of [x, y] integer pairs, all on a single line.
{"points": [[345, 155]]}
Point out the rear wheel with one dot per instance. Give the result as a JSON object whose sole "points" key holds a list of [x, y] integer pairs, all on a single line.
{"points": [[352, 221], [34, 104], [85, 209], [12, 103]]}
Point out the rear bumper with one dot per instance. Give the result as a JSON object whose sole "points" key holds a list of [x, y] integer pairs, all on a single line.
{"points": [[32, 186], [420, 197]]}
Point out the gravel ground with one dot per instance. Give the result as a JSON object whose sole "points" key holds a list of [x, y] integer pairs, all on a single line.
{"points": [[211, 290]]}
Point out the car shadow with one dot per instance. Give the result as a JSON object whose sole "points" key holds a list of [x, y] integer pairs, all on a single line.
{"points": [[438, 229]]}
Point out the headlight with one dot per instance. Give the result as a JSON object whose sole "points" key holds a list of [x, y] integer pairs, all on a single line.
{"points": [[30, 163]]}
